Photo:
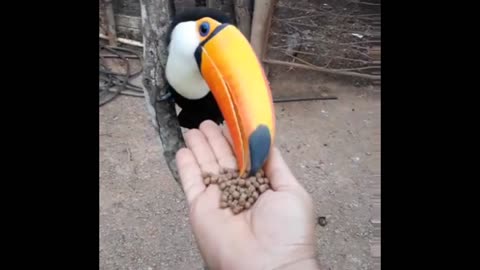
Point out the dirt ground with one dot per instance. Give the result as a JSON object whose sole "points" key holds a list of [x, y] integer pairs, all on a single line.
{"points": [[333, 147]]}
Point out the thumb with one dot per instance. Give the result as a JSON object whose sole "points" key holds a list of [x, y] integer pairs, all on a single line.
{"points": [[278, 172]]}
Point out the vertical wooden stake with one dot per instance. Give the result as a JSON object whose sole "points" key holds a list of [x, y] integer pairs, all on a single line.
{"points": [[261, 22], [111, 28]]}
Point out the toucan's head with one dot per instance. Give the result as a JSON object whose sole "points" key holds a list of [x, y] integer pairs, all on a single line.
{"points": [[206, 53]]}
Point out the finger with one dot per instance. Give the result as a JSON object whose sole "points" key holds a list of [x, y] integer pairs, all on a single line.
{"points": [[219, 145], [278, 172], [226, 134], [196, 141], [190, 174]]}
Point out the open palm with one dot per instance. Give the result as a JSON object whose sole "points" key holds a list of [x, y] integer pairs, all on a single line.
{"points": [[277, 232]]}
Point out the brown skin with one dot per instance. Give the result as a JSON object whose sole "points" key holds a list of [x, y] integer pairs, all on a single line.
{"points": [[277, 232]]}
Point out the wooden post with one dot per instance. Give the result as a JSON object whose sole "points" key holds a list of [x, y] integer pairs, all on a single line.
{"points": [[111, 29], [261, 22], [156, 17], [243, 16]]}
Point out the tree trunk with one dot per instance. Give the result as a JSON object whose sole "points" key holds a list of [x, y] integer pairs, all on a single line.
{"points": [[156, 17]]}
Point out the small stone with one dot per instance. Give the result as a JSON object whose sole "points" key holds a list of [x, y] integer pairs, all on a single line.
{"points": [[322, 221], [263, 188]]}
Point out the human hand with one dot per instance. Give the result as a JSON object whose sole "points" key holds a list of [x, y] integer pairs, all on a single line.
{"points": [[277, 232]]}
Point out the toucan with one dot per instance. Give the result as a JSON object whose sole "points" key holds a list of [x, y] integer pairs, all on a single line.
{"points": [[214, 74]]}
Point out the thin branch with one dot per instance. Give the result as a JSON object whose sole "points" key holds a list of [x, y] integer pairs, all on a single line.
{"points": [[322, 69]]}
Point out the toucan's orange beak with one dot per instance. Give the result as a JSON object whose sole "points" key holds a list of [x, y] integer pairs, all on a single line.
{"points": [[237, 80]]}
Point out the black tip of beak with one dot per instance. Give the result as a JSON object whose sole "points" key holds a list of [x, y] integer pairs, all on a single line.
{"points": [[259, 143]]}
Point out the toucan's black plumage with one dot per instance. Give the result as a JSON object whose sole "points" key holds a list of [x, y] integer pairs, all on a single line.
{"points": [[194, 112]]}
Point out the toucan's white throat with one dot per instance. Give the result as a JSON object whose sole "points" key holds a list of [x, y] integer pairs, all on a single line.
{"points": [[182, 70]]}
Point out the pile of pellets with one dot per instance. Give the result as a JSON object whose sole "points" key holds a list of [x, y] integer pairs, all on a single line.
{"points": [[238, 193]]}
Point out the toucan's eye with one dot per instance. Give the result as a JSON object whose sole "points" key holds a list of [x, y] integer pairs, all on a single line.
{"points": [[204, 29]]}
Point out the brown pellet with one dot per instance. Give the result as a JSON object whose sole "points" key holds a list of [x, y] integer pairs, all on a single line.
{"points": [[228, 175], [243, 196], [242, 182], [260, 180], [263, 188], [234, 174], [223, 204], [251, 189], [205, 174], [224, 196], [236, 194], [247, 205], [266, 180], [214, 177], [255, 195], [256, 184], [207, 180], [230, 197], [223, 185], [237, 209], [235, 202], [251, 200], [241, 202], [232, 188], [258, 174]]}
